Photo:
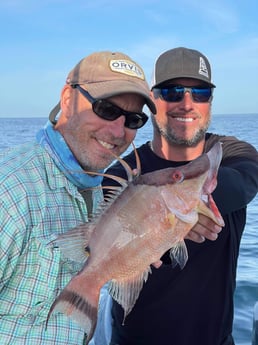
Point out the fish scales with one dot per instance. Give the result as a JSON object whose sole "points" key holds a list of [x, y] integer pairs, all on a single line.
{"points": [[152, 215]]}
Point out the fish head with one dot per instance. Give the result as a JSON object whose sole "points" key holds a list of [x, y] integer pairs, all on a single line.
{"points": [[189, 187]]}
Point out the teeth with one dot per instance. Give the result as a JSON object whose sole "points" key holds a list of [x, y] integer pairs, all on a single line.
{"points": [[183, 119], [106, 145], [204, 197]]}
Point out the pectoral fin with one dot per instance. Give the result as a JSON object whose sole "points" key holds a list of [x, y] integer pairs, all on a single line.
{"points": [[74, 243], [127, 292], [179, 254]]}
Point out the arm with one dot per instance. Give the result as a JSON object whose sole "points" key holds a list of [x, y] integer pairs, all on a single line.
{"points": [[238, 173], [237, 183]]}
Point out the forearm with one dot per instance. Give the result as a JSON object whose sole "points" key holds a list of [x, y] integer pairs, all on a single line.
{"points": [[237, 186]]}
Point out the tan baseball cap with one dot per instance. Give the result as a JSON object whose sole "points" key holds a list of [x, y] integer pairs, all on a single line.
{"points": [[106, 74]]}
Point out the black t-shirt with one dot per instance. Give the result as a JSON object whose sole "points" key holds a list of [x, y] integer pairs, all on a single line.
{"points": [[194, 305]]}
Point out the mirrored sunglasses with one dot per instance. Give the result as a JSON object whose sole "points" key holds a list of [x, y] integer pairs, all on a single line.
{"points": [[176, 93], [110, 112]]}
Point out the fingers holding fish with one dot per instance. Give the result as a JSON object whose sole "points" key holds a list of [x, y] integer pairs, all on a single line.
{"points": [[204, 229], [195, 237]]}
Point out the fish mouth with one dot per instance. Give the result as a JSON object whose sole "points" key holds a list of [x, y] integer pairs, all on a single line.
{"points": [[207, 164], [211, 210], [214, 156]]}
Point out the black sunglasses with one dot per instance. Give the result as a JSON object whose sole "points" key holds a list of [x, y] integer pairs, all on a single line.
{"points": [[176, 93], [109, 111]]}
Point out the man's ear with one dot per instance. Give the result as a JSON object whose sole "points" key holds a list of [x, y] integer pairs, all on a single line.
{"points": [[66, 99]]}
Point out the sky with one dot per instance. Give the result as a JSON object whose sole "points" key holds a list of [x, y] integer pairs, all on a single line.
{"points": [[42, 40]]}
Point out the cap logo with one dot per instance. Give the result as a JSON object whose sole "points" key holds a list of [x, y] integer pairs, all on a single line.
{"points": [[203, 68], [127, 67]]}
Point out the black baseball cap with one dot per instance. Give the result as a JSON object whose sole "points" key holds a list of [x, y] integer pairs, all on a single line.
{"points": [[181, 63]]}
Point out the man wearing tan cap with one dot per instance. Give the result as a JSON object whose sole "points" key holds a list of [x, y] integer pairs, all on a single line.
{"points": [[193, 305], [41, 192]]}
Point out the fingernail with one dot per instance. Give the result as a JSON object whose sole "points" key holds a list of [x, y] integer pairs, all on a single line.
{"points": [[214, 236], [202, 238], [217, 228]]}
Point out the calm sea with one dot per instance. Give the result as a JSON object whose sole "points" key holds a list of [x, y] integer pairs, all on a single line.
{"points": [[245, 127]]}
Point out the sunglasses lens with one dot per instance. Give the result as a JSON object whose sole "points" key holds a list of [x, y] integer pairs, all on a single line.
{"points": [[135, 121], [176, 94], [173, 94], [108, 111], [201, 95]]}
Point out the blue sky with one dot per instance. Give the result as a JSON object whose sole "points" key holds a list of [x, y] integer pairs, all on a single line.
{"points": [[41, 40]]}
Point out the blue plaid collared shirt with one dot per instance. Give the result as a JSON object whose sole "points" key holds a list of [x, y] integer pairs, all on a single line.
{"points": [[37, 202]]}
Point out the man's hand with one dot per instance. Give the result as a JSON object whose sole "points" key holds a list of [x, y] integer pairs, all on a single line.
{"points": [[204, 229]]}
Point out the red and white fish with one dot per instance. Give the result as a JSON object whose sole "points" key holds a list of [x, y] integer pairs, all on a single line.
{"points": [[152, 215]]}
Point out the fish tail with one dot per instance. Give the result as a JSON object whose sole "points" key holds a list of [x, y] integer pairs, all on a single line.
{"points": [[78, 308]]}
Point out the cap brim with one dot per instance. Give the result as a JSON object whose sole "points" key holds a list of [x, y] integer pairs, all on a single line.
{"points": [[53, 113], [182, 76]]}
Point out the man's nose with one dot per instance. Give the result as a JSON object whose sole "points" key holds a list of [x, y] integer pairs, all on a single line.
{"points": [[117, 127], [187, 102]]}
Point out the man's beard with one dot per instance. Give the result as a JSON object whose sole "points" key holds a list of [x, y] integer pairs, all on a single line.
{"points": [[171, 137]]}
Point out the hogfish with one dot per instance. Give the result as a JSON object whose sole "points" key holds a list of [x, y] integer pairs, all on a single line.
{"points": [[152, 215]]}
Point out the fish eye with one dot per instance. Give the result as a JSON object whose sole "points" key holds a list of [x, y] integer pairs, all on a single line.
{"points": [[177, 176]]}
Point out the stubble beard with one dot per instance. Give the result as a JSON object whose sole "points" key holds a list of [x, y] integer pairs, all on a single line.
{"points": [[170, 135], [94, 163]]}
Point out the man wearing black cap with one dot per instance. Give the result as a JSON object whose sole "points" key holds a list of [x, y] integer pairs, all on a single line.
{"points": [[193, 305], [42, 195]]}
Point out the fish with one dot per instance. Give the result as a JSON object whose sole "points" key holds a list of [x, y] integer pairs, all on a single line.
{"points": [[150, 216]]}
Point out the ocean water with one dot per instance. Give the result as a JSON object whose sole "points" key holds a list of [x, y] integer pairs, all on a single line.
{"points": [[15, 131]]}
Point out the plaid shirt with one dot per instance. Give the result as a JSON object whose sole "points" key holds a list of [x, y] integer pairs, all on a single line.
{"points": [[36, 202]]}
